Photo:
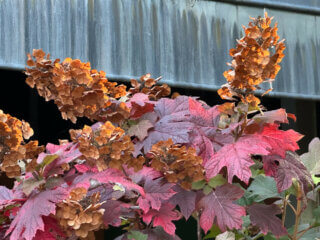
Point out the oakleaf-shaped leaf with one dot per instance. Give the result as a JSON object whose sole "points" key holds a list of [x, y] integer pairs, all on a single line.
{"points": [[285, 169], [163, 217], [311, 159], [113, 211], [263, 187], [29, 218], [51, 231], [173, 122], [237, 158], [140, 129], [155, 194], [107, 176], [280, 141], [264, 217], [186, 200], [218, 206]]}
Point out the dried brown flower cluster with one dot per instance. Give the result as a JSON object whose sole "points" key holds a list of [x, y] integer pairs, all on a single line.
{"points": [[13, 148], [147, 85], [255, 60], [106, 146], [178, 163], [76, 89], [81, 215]]}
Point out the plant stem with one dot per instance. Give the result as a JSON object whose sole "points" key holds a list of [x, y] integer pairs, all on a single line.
{"points": [[199, 237], [284, 210], [298, 212]]}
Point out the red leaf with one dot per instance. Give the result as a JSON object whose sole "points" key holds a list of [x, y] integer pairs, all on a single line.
{"points": [[237, 158], [163, 217], [141, 176], [264, 217], [66, 152], [156, 194], [51, 230], [107, 176], [285, 169], [139, 104], [29, 218], [185, 199], [173, 122], [280, 141], [219, 206], [113, 211], [201, 116]]}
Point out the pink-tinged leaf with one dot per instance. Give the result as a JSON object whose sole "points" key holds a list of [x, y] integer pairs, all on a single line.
{"points": [[264, 217], [140, 129], [141, 176], [162, 217], [66, 152], [237, 158], [202, 116], [6, 195], [173, 122], [139, 104], [280, 141], [275, 116], [51, 231], [153, 234], [218, 206], [155, 194], [203, 145], [113, 211], [82, 168], [186, 200], [285, 169], [29, 218], [107, 176]]}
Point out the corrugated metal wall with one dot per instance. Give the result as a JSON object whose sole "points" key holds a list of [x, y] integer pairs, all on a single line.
{"points": [[185, 41]]}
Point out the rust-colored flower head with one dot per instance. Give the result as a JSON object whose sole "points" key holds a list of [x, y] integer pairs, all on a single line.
{"points": [[256, 60], [80, 214], [13, 149], [147, 85], [76, 89], [106, 146], [178, 163]]}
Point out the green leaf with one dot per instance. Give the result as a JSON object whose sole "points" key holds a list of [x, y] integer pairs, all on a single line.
{"points": [[272, 237], [313, 233], [30, 184], [246, 221], [213, 232], [316, 214], [207, 189], [315, 179], [136, 235], [198, 185], [311, 159], [263, 187], [246, 199], [226, 236], [217, 181], [47, 160]]}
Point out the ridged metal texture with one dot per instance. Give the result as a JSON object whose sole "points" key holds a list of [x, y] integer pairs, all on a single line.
{"points": [[185, 41]]}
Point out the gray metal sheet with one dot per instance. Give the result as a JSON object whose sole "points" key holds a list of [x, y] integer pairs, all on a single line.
{"points": [[185, 41]]}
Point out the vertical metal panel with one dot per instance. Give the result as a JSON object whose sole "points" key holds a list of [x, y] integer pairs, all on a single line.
{"points": [[185, 41]]}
